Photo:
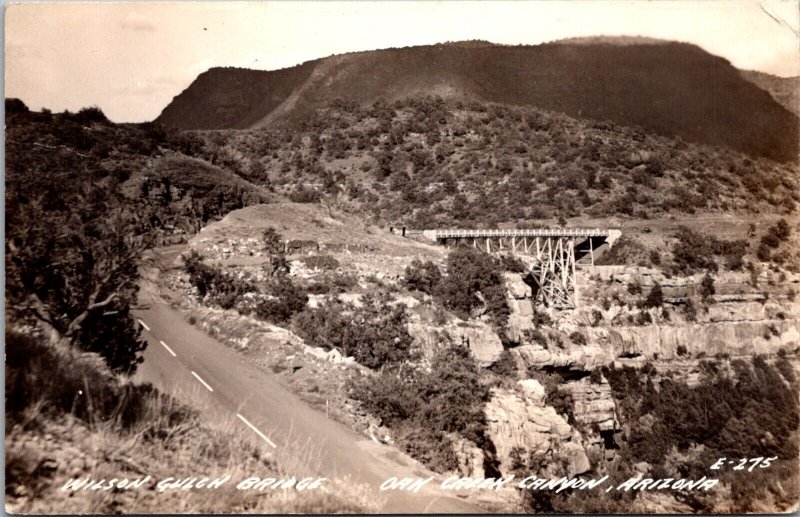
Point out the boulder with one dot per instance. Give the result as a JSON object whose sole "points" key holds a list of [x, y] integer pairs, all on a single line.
{"points": [[316, 352], [523, 308], [533, 390], [516, 287], [470, 457], [577, 460]]}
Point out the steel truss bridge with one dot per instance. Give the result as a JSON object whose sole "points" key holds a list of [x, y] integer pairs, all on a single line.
{"points": [[552, 253]]}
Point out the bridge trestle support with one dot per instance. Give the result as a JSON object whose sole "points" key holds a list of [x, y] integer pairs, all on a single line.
{"points": [[551, 255]]}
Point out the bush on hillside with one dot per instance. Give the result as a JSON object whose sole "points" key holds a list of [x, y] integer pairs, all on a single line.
{"points": [[302, 194], [422, 276], [285, 300], [427, 405], [707, 288], [210, 281], [55, 380], [693, 252], [654, 298], [374, 334], [755, 397], [474, 280]]}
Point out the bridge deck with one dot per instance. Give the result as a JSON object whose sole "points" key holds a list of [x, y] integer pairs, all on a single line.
{"points": [[539, 232]]}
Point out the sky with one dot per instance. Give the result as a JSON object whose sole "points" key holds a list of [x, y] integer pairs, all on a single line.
{"points": [[131, 59]]}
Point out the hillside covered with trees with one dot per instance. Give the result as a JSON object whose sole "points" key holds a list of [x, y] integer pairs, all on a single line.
{"points": [[427, 162]]}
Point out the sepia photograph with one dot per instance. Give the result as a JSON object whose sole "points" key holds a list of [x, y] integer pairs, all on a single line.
{"points": [[402, 257]]}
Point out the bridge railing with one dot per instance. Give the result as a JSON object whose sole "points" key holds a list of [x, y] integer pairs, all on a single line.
{"points": [[539, 232]]}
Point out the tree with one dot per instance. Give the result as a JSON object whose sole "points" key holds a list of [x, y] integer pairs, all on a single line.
{"points": [[422, 276], [77, 273], [707, 288], [273, 244], [655, 298], [474, 280], [373, 334], [286, 299]]}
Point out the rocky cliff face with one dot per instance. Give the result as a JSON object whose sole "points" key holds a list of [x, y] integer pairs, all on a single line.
{"points": [[481, 339], [518, 420], [519, 299], [731, 337], [745, 316]]}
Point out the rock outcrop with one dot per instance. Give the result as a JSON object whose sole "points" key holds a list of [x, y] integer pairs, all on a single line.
{"points": [[519, 420], [519, 299], [481, 339], [585, 358], [730, 337], [594, 405]]}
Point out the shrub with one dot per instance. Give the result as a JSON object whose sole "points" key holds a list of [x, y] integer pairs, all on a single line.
{"points": [[302, 194], [375, 335], [655, 258], [422, 276], [14, 105], [320, 262], [222, 289], [470, 272], [562, 402], [541, 319], [512, 264], [505, 366], [535, 336], [286, 299], [694, 251], [654, 299], [772, 239], [578, 338], [753, 396], [273, 241], [425, 405], [38, 373], [332, 283], [707, 288]]}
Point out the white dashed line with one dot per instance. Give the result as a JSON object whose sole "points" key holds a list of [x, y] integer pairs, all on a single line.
{"points": [[144, 325], [204, 383], [168, 349], [255, 430]]}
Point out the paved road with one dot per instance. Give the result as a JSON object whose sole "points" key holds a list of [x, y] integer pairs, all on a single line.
{"points": [[183, 360]]}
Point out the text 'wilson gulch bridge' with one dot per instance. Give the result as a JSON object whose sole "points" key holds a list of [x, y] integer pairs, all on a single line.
{"points": [[551, 252]]}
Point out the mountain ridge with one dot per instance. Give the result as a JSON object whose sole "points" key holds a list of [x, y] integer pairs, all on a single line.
{"points": [[669, 88], [785, 90]]}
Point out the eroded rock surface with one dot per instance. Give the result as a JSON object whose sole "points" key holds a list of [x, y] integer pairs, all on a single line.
{"points": [[520, 420]]}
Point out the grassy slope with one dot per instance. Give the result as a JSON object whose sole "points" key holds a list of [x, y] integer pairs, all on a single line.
{"points": [[300, 221], [68, 417]]}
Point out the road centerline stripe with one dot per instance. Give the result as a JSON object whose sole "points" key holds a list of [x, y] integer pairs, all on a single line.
{"points": [[255, 430], [143, 324], [168, 348], [204, 383]]}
